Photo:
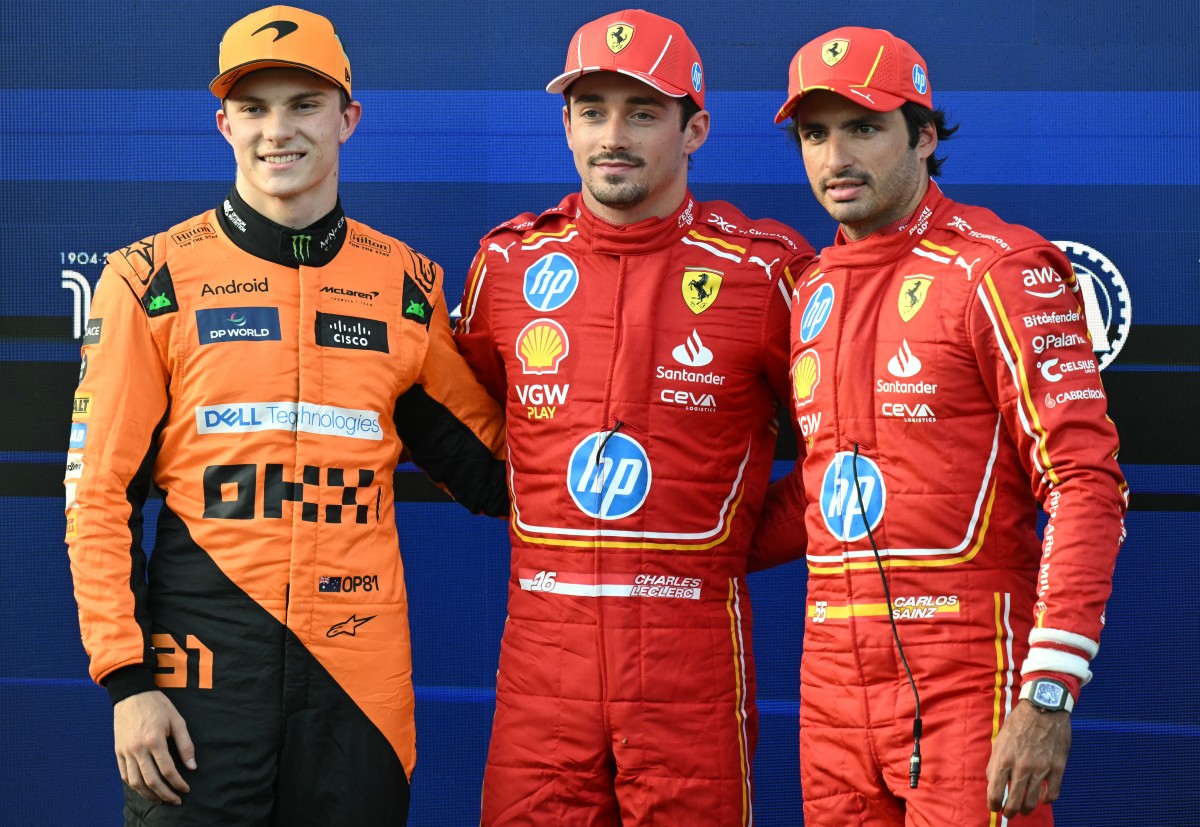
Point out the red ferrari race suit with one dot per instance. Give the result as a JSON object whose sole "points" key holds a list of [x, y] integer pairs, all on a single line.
{"points": [[264, 380], [640, 366], [945, 385]]}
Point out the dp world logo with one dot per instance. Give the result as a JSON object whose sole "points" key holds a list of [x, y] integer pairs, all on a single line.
{"points": [[608, 475], [847, 511], [1105, 299]]}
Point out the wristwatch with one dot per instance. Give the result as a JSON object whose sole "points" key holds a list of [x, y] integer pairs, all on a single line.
{"points": [[1048, 695]]}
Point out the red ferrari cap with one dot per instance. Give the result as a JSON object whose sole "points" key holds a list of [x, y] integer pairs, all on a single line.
{"points": [[281, 37], [871, 67], [652, 49]]}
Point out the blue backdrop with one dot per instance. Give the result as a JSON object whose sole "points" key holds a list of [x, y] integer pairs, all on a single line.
{"points": [[1079, 119]]}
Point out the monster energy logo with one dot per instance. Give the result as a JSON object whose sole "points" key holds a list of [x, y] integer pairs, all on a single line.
{"points": [[301, 247]]}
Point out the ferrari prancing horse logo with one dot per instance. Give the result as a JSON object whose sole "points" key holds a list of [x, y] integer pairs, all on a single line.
{"points": [[618, 37], [912, 295], [832, 51], [700, 288]]}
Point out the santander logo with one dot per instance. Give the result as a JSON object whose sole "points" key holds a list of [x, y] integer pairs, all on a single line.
{"points": [[692, 353], [904, 364]]}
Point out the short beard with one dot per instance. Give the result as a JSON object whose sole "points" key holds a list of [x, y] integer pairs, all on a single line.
{"points": [[612, 192]]}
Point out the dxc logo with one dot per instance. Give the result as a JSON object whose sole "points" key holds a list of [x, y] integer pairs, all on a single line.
{"points": [[608, 475], [848, 512]]}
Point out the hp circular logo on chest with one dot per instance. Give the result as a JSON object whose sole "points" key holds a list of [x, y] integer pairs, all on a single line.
{"points": [[551, 281], [847, 511], [608, 475]]}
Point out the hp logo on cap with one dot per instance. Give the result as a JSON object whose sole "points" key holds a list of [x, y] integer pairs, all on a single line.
{"points": [[920, 81], [697, 76]]}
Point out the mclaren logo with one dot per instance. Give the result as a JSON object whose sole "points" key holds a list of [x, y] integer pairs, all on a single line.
{"points": [[832, 51], [618, 37], [282, 29], [348, 627], [700, 288], [912, 295]]}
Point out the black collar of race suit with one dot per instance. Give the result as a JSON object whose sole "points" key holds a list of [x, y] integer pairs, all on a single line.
{"points": [[312, 246]]}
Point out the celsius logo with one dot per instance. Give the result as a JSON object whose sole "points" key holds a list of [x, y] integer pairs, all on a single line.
{"points": [[608, 475], [904, 364], [816, 313], [1105, 299], [692, 352], [550, 282]]}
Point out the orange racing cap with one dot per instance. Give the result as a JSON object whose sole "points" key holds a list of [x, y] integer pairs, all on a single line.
{"points": [[281, 37]]}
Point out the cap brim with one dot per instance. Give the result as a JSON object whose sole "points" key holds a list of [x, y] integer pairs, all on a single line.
{"points": [[872, 99], [563, 81], [224, 82]]}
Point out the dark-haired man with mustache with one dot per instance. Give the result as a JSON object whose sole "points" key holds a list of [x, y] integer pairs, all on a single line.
{"points": [[638, 339]]}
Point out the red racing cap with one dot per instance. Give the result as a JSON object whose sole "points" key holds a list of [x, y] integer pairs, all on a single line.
{"points": [[639, 44], [281, 37], [871, 67]]}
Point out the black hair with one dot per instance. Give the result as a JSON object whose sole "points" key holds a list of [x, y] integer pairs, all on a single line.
{"points": [[917, 116]]}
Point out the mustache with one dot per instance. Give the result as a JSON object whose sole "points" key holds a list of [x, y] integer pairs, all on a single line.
{"points": [[622, 157], [853, 174]]}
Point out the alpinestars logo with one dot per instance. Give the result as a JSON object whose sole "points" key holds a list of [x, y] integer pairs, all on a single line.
{"points": [[692, 352], [348, 626]]}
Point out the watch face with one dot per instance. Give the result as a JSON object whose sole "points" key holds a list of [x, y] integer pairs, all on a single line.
{"points": [[1048, 694]]}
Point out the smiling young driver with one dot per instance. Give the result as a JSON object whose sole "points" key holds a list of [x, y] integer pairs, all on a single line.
{"points": [[638, 338], [262, 365]]}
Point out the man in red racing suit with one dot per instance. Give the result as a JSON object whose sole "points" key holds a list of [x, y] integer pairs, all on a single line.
{"points": [[264, 378], [637, 340], [944, 383]]}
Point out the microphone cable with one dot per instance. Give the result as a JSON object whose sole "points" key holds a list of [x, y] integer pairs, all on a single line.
{"points": [[914, 762]]}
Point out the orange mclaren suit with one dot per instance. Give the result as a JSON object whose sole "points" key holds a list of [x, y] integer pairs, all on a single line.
{"points": [[265, 380]]}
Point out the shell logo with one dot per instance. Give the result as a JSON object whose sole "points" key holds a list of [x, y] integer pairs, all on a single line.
{"points": [[542, 346], [806, 375]]}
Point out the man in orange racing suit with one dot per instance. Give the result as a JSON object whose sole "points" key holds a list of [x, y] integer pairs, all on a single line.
{"points": [[638, 340], [262, 365], [945, 385]]}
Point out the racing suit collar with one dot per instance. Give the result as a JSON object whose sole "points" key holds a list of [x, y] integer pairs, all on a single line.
{"points": [[633, 239], [313, 246]]}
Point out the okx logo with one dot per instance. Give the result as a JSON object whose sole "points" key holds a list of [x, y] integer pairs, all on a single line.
{"points": [[238, 324], [231, 492], [608, 475]]}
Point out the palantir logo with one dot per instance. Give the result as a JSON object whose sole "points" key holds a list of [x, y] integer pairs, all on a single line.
{"points": [[551, 281], [608, 475], [849, 509], [1105, 299]]}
